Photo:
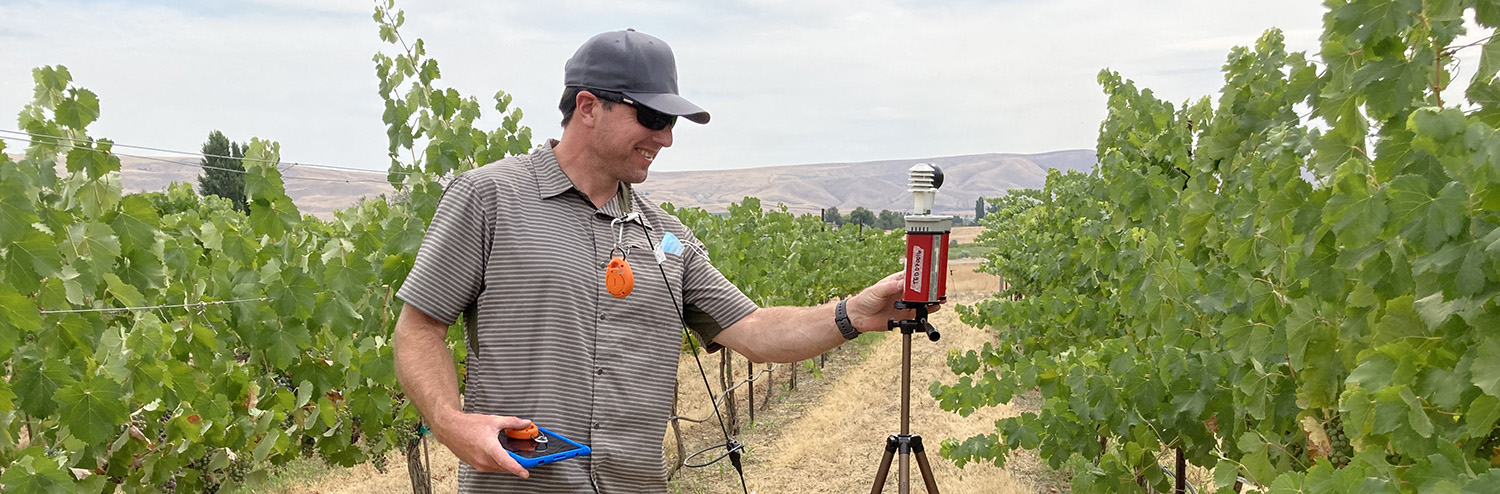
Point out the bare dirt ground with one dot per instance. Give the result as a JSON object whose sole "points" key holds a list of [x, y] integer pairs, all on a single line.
{"points": [[826, 436]]}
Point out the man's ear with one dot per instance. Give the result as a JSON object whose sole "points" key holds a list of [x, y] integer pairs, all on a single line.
{"points": [[588, 109]]}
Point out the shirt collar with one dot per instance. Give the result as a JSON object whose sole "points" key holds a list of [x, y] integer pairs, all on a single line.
{"points": [[550, 179], [552, 182]]}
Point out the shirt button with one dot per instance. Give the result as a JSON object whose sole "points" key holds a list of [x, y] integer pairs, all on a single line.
{"points": [[601, 316], [598, 426], [600, 371]]}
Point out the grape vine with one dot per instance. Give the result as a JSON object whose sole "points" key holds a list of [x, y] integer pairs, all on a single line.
{"points": [[1297, 287], [164, 341]]}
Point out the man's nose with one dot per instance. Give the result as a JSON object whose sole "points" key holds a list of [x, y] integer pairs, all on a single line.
{"points": [[663, 137]]}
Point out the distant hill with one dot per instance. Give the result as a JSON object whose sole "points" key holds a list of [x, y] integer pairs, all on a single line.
{"points": [[875, 185]]}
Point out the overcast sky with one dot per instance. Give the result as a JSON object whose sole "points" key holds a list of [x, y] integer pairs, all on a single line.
{"points": [[787, 81]]}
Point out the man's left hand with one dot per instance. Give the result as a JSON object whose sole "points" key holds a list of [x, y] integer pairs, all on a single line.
{"points": [[873, 307]]}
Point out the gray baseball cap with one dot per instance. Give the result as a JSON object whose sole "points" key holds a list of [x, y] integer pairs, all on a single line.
{"points": [[636, 64]]}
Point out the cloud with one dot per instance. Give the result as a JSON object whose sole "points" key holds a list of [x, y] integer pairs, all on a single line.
{"points": [[787, 81]]}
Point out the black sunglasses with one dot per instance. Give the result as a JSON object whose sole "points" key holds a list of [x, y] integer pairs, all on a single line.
{"points": [[648, 118]]}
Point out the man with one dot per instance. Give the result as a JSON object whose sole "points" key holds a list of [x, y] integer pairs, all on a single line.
{"points": [[519, 247]]}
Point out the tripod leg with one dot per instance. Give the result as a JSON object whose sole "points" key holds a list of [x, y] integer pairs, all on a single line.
{"points": [[926, 468], [885, 465]]}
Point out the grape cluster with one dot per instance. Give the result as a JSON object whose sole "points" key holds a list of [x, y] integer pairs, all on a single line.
{"points": [[161, 432], [285, 382], [379, 461], [354, 432], [208, 483], [406, 435], [309, 447], [237, 470], [1342, 449]]}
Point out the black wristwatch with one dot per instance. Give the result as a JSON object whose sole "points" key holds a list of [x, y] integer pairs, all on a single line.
{"points": [[841, 318]]}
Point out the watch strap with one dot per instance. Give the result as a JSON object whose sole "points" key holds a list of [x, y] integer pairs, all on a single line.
{"points": [[841, 318]]}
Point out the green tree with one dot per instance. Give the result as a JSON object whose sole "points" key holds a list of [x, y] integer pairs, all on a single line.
{"points": [[890, 220], [979, 209], [223, 170], [831, 215], [861, 216]]}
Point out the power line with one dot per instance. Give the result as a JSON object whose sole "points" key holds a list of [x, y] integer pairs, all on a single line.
{"points": [[149, 148], [202, 304], [208, 167]]}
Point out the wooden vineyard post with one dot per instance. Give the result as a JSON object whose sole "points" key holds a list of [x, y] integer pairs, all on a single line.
{"points": [[750, 389], [1181, 487], [677, 432], [770, 386], [726, 381]]}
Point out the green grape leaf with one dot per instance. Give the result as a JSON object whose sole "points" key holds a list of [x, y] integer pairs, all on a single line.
{"points": [[274, 217], [288, 343], [262, 179], [1435, 310], [266, 446], [136, 224], [99, 195], [93, 409], [1486, 367], [1487, 483], [144, 269], [1470, 279], [127, 295], [1417, 415], [7, 396], [1374, 373], [36, 384], [1482, 414], [304, 393], [18, 314], [293, 294], [94, 163], [36, 251], [79, 109], [36, 474], [92, 240], [1400, 321], [1489, 57], [17, 209]]}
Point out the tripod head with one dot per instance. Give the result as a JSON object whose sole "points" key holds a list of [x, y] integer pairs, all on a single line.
{"points": [[911, 326]]}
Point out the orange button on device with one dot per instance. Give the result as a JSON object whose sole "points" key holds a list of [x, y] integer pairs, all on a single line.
{"points": [[530, 432]]}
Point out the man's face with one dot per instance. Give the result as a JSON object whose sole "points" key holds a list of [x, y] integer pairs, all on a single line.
{"points": [[627, 147]]}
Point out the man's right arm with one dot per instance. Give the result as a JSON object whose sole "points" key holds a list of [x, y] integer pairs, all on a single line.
{"points": [[425, 368]]}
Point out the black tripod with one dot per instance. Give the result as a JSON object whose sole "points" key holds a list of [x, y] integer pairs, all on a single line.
{"points": [[907, 443]]}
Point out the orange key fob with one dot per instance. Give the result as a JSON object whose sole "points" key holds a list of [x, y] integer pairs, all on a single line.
{"points": [[618, 279], [528, 433]]}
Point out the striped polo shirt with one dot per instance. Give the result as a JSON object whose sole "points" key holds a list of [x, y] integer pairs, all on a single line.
{"points": [[521, 253]]}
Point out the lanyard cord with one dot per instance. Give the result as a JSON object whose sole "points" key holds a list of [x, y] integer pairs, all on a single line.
{"points": [[732, 447]]}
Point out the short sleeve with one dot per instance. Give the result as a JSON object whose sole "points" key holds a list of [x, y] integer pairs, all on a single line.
{"points": [[448, 275], [710, 302]]}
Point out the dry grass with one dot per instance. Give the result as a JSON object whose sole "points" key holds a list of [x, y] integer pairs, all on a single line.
{"points": [[965, 234]]}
